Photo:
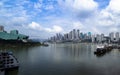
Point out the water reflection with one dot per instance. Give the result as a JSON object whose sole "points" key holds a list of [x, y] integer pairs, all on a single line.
{"points": [[72, 52]]}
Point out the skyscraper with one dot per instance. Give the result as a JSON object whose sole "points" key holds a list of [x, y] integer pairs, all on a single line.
{"points": [[89, 35], [117, 36], [78, 34], [102, 38], [93, 38], [73, 34], [111, 35], [70, 35]]}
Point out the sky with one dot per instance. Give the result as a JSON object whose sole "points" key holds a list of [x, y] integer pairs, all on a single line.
{"points": [[45, 18]]}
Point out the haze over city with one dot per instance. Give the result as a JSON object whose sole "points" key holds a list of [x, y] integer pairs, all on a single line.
{"points": [[45, 18]]}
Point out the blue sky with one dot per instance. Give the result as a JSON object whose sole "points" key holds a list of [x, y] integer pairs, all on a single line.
{"points": [[45, 18]]}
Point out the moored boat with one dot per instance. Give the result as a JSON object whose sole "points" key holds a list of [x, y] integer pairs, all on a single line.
{"points": [[102, 49], [8, 60]]}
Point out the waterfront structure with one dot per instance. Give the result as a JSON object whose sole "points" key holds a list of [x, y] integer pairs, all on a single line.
{"points": [[13, 35]]}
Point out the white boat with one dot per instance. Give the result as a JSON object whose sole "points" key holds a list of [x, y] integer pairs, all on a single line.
{"points": [[8, 60]]}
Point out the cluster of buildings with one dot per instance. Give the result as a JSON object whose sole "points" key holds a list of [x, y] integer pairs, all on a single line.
{"points": [[13, 35], [113, 37], [77, 36]]}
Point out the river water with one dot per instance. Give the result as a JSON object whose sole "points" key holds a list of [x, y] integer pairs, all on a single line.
{"points": [[64, 59]]}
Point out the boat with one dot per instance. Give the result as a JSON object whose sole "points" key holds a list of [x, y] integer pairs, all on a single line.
{"points": [[100, 49], [8, 61]]}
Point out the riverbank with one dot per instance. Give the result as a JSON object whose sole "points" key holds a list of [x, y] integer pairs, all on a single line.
{"points": [[21, 43]]}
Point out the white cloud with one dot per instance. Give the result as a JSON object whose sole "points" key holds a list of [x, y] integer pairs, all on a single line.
{"points": [[84, 5], [110, 15], [55, 29], [35, 26], [104, 20], [78, 6], [114, 6]]}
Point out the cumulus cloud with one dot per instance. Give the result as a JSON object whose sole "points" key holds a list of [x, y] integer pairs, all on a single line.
{"points": [[110, 16], [55, 29], [114, 6], [86, 5], [79, 8], [79, 4], [103, 20], [37, 26]]}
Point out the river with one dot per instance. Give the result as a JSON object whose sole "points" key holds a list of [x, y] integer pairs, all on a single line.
{"points": [[64, 59]]}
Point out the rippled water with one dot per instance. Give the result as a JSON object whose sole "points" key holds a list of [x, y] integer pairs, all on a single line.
{"points": [[64, 59]]}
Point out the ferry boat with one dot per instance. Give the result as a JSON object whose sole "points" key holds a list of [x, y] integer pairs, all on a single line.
{"points": [[8, 61]]}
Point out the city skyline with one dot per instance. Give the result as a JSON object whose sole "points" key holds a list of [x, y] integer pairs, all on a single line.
{"points": [[44, 18], [76, 35]]}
